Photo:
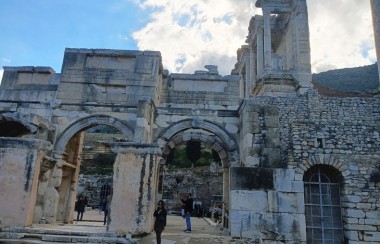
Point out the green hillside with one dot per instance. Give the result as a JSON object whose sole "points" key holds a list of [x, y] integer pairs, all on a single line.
{"points": [[363, 79]]}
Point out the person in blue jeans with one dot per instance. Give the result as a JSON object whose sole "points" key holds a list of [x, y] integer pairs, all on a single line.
{"points": [[188, 209]]}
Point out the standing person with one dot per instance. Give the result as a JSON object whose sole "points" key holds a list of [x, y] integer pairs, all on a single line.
{"points": [[79, 206], [106, 208], [160, 220], [100, 207], [85, 203], [188, 209]]}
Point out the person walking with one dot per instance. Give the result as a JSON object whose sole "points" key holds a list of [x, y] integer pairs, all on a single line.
{"points": [[79, 207], [100, 207], [160, 220], [106, 208], [188, 209]]}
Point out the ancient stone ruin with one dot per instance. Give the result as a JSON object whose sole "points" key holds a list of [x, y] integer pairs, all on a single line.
{"points": [[297, 167]]}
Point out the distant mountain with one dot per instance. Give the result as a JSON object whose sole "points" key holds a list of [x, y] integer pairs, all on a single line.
{"points": [[348, 82]]}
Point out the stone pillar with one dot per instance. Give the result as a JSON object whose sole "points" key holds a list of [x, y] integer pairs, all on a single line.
{"points": [[143, 121], [375, 6], [135, 182], [226, 191], [20, 162], [252, 70], [267, 40], [260, 51]]}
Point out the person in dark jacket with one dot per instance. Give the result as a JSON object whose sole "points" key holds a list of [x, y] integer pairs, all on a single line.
{"points": [[80, 204], [188, 209], [106, 209], [160, 220]]}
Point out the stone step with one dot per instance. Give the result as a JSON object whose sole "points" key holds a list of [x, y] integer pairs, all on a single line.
{"points": [[36, 235]]}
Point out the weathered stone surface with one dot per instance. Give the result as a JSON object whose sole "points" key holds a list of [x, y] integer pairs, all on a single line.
{"points": [[268, 126]]}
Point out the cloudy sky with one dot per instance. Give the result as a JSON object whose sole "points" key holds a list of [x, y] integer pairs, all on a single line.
{"points": [[189, 34]]}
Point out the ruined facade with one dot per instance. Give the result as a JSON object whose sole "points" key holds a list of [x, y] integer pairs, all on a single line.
{"points": [[297, 166]]}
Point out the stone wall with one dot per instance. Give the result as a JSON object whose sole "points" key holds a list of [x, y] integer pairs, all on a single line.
{"points": [[285, 137]]}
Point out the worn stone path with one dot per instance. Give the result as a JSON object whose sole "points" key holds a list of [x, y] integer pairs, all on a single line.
{"points": [[204, 231]]}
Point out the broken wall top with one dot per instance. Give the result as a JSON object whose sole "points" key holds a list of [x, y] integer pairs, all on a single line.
{"points": [[29, 78]]}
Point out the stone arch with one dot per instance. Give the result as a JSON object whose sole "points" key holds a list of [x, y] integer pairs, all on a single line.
{"points": [[87, 122], [213, 136], [31, 122], [324, 159]]}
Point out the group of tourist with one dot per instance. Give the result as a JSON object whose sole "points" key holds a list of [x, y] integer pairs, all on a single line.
{"points": [[80, 206], [160, 214], [82, 202]]}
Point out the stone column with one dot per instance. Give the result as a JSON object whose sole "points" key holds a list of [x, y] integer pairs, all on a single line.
{"points": [[226, 191], [375, 6], [260, 51], [252, 70], [134, 187], [267, 40], [20, 163]]}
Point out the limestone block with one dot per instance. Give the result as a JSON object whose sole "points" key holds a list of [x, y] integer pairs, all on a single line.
{"points": [[231, 120], [248, 200], [231, 128], [56, 238], [271, 111], [292, 203], [247, 178], [272, 157], [360, 227], [352, 198], [250, 224], [372, 236], [199, 85], [272, 138], [247, 140], [372, 221], [353, 213], [297, 186], [243, 224], [176, 118], [252, 161], [283, 179], [351, 235], [373, 215], [271, 121]]}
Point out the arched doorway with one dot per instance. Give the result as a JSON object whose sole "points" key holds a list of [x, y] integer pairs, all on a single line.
{"points": [[322, 205], [210, 135], [85, 152]]}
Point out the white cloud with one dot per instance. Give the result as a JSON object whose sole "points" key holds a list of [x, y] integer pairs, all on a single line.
{"points": [[193, 33], [341, 34]]}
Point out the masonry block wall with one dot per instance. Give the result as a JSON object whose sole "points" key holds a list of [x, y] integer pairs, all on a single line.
{"points": [[282, 138]]}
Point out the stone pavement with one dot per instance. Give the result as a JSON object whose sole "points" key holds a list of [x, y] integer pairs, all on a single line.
{"points": [[204, 231]]}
